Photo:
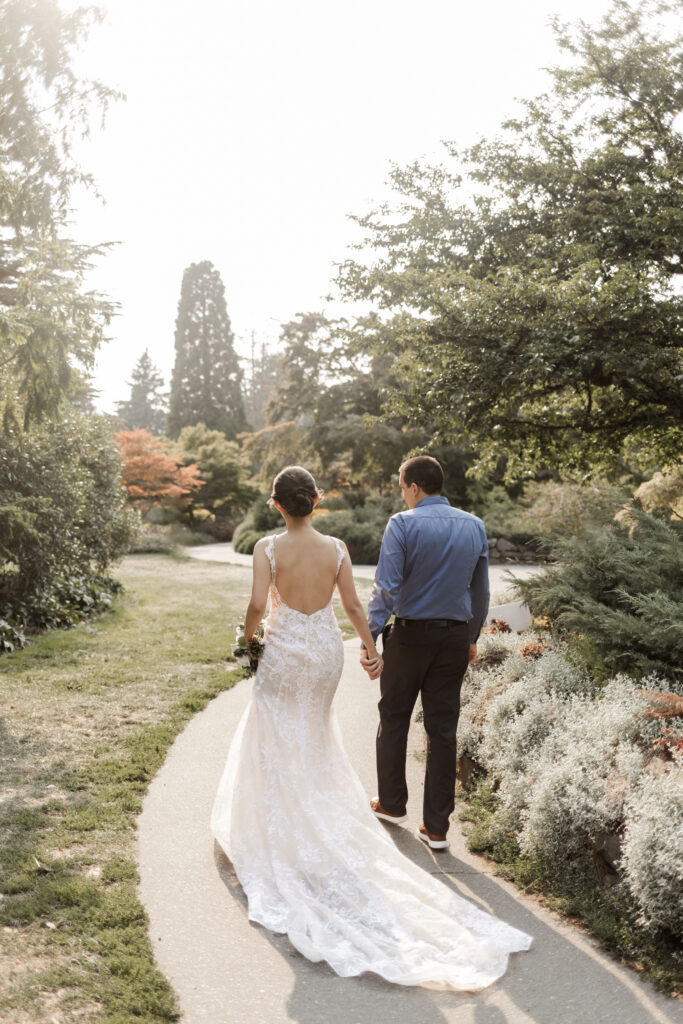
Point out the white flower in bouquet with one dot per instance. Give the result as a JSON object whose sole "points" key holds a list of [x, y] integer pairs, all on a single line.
{"points": [[247, 652]]}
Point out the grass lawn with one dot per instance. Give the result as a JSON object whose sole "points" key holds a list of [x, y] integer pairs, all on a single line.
{"points": [[87, 717]]}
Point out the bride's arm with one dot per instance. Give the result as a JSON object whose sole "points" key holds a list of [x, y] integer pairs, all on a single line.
{"points": [[259, 589], [354, 609]]}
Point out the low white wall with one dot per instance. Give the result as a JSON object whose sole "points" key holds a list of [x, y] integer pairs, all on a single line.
{"points": [[515, 613]]}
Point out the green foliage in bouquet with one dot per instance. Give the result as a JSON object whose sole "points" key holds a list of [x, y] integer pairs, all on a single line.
{"points": [[621, 588], [247, 652]]}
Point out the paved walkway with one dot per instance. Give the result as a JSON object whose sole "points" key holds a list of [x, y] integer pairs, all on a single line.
{"points": [[226, 553], [228, 971]]}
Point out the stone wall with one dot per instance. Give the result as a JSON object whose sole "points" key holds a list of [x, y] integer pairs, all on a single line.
{"points": [[502, 550]]}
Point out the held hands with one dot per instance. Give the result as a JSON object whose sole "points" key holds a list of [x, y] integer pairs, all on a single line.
{"points": [[371, 662]]}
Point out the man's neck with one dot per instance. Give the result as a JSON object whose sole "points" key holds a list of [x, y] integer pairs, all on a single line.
{"points": [[421, 495]]}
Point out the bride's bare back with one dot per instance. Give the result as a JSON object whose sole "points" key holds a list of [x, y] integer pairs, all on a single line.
{"points": [[305, 569], [305, 576]]}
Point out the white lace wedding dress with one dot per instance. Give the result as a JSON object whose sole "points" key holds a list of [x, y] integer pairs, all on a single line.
{"points": [[314, 862]]}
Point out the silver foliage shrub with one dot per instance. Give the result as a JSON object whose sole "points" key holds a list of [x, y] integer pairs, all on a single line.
{"points": [[652, 851], [584, 771], [569, 763]]}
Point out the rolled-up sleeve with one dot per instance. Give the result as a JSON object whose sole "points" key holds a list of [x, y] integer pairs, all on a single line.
{"points": [[479, 591], [388, 577]]}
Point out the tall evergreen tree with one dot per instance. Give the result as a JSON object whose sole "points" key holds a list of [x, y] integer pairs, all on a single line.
{"points": [[146, 407], [206, 385]]}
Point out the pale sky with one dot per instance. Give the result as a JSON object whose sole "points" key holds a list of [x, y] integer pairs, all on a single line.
{"points": [[252, 129]]}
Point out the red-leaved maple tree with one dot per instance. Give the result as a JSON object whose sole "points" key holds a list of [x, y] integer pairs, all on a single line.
{"points": [[151, 475]]}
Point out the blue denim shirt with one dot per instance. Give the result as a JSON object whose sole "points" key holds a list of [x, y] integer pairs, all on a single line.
{"points": [[433, 565]]}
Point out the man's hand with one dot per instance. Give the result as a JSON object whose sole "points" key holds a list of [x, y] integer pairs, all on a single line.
{"points": [[372, 665], [473, 653]]}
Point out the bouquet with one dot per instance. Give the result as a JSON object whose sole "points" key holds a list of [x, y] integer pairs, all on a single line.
{"points": [[247, 652]]}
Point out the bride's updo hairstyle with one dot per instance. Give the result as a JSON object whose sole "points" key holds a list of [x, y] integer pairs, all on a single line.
{"points": [[295, 490]]}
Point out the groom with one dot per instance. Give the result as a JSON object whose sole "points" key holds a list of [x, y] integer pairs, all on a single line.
{"points": [[433, 575]]}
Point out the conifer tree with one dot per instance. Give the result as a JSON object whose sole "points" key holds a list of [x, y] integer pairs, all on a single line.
{"points": [[146, 407], [207, 378]]}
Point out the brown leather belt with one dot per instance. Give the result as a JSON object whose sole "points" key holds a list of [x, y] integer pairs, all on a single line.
{"points": [[429, 623]]}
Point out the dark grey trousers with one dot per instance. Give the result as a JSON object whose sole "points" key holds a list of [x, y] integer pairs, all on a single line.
{"points": [[431, 661]]}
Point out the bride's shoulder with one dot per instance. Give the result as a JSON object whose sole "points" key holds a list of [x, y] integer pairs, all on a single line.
{"points": [[263, 546], [335, 540], [341, 549]]}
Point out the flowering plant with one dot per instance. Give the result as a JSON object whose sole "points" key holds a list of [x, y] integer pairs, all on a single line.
{"points": [[247, 652]]}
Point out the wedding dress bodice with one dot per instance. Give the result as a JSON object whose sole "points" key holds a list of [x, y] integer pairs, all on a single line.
{"points": [[313, 860]]}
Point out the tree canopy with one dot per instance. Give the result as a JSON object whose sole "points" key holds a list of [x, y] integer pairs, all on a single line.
{"points": [[541, 316], [326, 405], [226, 489]]}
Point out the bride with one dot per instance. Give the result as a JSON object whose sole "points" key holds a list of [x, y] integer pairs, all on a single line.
{"points": [[290, 812]]}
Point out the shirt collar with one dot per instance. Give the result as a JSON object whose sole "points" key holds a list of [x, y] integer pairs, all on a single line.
{"points": [[433, 499]]}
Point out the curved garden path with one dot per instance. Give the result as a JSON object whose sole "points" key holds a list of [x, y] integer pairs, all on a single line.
{"points": [[228, 971]]}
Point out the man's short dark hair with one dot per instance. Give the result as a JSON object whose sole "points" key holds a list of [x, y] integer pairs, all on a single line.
{"points": [[424, 471]]}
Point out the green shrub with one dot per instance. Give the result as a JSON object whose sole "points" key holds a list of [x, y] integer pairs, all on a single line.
{"points": [[621, 588], [246, 540], [63, 519], [259, 521], [363, 539], [63, 601], [153, 538], [548, 511], [360, 527], [10, 638], [265, 518], [503, 517]]}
